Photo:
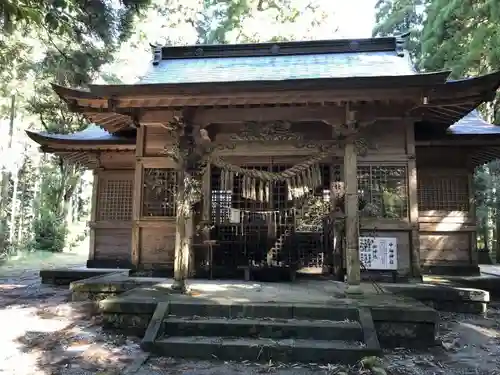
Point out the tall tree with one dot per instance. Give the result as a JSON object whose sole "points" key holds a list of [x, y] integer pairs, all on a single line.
{"points": [[242, 21], [6, 178], [395, 17], [66, 42], [463, 36]]}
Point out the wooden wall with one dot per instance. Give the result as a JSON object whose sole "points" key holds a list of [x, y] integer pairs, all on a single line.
{"points": [[393, 146], [443, 234], [153, 238], [447, 222], [111, 216], [439, 228]]}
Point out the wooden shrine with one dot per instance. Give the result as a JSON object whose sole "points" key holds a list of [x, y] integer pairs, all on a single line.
{"points": [[325, 157]]}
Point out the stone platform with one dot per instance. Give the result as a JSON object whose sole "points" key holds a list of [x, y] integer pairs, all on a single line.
{"points": [[306, 320], [310, 320], [65, 276]]}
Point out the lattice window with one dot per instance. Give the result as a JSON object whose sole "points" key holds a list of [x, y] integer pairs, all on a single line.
{"points": [[383, 190], [115, 199], [443, 193], [159, 193]]}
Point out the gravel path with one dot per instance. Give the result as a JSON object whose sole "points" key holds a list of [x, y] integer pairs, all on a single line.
{"points": [[44, 334]]}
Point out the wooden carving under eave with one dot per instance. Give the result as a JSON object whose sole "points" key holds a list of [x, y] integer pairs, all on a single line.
{"points": [[266, 131]]}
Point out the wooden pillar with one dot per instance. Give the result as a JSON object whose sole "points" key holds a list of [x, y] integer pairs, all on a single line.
{"points": [[93, 213], [472, 215], [137, 200], [183, 236], [206, 190], [336, 190], [351, 221], [416, 272]]}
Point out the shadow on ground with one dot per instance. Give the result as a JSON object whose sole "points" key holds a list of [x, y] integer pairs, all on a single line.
{"points": [[44, 334]]}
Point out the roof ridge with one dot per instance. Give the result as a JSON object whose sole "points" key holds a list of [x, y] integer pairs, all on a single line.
{"points": [[326, 46]]}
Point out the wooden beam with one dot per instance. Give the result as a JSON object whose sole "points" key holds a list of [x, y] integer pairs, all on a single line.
{"points": [[413, 200], [179, 100], [352, 217], [453, 101], [137, 200], [332, 114], [207, 193], [462, 141], [93, 213], [472, 215]]}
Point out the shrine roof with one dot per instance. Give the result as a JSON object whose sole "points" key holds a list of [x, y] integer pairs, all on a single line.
{"points": [[93, 135], [473, 124], [282, 74], [339, 58]]}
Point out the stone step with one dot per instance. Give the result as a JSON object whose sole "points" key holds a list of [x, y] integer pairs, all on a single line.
{"points": [[262, 349], [263, 328], [263, 310]]}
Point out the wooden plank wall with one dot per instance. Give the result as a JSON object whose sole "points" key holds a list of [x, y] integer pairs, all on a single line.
{"points": [[111, 218], [153, 237], [393, 148], [447, 222]]}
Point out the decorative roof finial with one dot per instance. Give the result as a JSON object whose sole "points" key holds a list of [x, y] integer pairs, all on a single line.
{"points": [[157, 54], [401, 40]]}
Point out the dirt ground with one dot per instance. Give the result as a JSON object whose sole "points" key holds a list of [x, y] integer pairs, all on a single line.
{"points": [[44, 334]]}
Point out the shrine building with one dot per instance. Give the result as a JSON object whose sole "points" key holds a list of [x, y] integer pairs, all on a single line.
{"points": [[331, 157]]}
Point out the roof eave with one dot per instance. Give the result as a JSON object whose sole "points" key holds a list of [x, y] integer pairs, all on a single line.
{"points": [[67, 93], [448, 103], [45, 140], [340, 83]]}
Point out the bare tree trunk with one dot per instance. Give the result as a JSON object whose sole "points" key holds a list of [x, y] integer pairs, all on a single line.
{"points": [[13, 208], [37, 191], [497, 222], [6, 181]]}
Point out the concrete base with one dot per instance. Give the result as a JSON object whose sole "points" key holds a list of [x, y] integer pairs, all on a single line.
{"points": [[299, 321], [109, 263], [215, 309], [485, 282], [445, 297], [65, 276], [354, 290], [455, 270]]}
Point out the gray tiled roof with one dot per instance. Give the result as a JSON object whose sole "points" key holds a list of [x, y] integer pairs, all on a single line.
{"points": [[276, 68], [473, 124], [92, 133]]}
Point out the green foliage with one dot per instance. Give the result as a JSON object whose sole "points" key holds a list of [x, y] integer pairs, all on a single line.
{"points": [[462, 36], [66, 42], [77, 18], [232, 21], [50, 232], [396, 17]]}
